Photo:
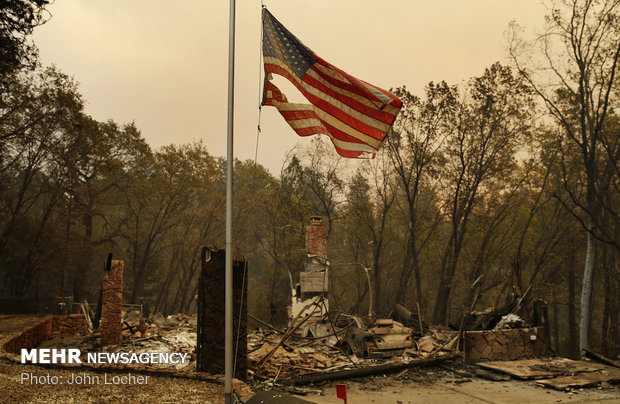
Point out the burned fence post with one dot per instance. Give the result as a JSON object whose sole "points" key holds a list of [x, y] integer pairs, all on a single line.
{"points": [[111, 303], [211, 310]]}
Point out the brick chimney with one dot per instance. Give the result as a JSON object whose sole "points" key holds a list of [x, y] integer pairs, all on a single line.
{"points": [[316, 237]]}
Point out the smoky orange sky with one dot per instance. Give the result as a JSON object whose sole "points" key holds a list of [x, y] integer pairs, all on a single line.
{"points": [[163, 64]]}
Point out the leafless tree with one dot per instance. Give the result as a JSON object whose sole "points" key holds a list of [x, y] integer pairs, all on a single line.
{"points": [[572, 66]]}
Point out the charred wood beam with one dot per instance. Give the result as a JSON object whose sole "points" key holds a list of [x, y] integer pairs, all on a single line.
{"points": [[600, 358], [372, 370]]}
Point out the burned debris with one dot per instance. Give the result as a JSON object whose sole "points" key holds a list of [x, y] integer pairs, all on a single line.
{"points": [[382, 338], [319, 344]]}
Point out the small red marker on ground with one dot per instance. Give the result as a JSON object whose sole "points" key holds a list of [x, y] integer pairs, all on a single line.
{"points": [[341, 392]]}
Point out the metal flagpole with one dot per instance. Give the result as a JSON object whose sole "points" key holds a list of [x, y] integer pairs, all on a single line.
{"points": [[228, 324]]}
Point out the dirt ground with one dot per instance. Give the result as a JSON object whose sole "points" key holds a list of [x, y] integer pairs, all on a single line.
{"points": [[429, 385], [446, 391], [11, 324], [442, 385]]}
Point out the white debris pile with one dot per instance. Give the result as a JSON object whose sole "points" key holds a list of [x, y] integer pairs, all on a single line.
{"points": [[510, 320]]}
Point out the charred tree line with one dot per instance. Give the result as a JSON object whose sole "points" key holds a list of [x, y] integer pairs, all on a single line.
{"points": [[519, 163]]}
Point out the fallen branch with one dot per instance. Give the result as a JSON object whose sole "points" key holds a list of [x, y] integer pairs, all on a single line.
{"points": [[372, 370]]}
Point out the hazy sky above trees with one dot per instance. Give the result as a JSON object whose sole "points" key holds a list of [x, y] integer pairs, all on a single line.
{"points": [[163, 64]]}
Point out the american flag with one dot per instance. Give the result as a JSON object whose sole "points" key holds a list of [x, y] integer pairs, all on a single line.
{"points": [[355, 114]]}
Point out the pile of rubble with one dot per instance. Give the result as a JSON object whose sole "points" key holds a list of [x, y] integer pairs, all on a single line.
{"points": [[275, 356], [290, 358], [175, 333]]}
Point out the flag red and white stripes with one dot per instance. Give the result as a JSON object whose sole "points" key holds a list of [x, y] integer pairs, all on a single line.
{"points": [[356, 115]]}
